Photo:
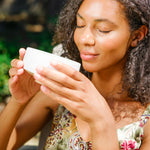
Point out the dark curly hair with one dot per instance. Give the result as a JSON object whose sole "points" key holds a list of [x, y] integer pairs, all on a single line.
{"points": [[136, 75]]}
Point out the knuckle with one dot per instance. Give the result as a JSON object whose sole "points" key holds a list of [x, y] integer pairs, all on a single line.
{"points": [[76, 107], [12, 62], [15, 63], [45, 71], [83, 88], [73, 73], [41, 79], [64, 79], [80, 96], [12, 71], [60, 99], [64, 90]]}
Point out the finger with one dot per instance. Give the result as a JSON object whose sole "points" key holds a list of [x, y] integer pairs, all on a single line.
{"points": [[53, 85], [12, 82], [15, 71], [22, 52], [66, 69], [59, 98], [17, 63], [57, 76], [72, 94]]}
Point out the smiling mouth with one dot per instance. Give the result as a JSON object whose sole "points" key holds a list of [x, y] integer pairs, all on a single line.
{"points": [[88, 57]]}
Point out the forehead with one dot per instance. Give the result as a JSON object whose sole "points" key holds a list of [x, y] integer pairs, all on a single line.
{"points": [[101, 8]]}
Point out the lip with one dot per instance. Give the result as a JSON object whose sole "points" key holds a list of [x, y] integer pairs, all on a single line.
{"points": [[88, 56]]}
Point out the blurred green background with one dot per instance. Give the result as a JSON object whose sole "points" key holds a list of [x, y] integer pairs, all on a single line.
{"points": [[24, 23]]}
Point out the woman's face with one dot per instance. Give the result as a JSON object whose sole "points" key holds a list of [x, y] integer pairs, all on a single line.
{"points": [[102, 34]]}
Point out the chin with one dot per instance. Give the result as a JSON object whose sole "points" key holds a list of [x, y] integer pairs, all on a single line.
{"points": [[89, 68]]}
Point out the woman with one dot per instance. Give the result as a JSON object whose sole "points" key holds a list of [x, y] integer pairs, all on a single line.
{"points": [[104, 111]]}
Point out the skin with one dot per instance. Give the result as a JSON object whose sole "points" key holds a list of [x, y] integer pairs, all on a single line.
{"points": [[102, 43], [105, 38], [25, 106]]}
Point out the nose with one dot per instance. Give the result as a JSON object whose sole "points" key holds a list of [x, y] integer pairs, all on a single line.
{"points": [[87, 37]]}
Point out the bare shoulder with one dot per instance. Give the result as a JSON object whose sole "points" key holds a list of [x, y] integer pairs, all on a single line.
{"points": [[147, 129], [146, 137]]}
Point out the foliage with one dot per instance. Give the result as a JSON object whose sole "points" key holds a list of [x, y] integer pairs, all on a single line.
{"points": [[4, 76], [10, 42], [37, 40]]}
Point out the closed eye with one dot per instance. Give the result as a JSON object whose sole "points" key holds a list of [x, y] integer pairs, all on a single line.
{"points": [[103, 31], [79, 26]]}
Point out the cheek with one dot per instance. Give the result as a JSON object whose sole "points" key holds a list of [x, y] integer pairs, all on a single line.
{"points": [[114, 42], [76, 37], [113, 50]]}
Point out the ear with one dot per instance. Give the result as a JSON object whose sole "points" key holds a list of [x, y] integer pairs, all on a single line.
{"points": [[138, 35]]}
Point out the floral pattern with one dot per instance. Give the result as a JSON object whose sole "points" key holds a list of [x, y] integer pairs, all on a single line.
{"points": [[130, 136], [65, 135]]}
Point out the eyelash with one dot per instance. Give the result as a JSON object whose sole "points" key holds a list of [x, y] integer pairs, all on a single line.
{"points": [[79, 26], [105, 32]]}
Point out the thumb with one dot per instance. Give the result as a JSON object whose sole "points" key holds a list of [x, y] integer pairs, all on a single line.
{"points": [[22, 52]]}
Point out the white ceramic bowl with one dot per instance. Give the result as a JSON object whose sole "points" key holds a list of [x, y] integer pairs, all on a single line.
{"points": [[34, 58]]}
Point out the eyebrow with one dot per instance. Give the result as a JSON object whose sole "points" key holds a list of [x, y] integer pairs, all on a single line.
{"points": [[98, 20]]}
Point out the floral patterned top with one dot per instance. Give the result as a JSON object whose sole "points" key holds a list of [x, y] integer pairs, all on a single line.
{"points": [[65, 135]]}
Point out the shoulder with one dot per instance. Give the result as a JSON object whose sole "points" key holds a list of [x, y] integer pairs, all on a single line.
{"points": [[147, 124], [146, 129], [146, 137]]}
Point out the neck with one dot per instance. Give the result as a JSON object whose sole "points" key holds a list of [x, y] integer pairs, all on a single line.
{"points": [[108, 82]]}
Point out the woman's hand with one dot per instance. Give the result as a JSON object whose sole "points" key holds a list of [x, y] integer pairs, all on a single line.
{"points": [[77, 93], [21, 84], [74, 91]]}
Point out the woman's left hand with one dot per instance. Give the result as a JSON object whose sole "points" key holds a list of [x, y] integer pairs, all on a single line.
{"points": [[74, 91]]}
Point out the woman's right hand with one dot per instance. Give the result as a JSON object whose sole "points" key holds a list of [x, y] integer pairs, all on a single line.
{"points": [[22, 85]]}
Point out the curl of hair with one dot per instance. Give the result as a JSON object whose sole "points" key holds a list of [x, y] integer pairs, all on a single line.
{"points": [[136, 78], [65, 30], [136, 75]]}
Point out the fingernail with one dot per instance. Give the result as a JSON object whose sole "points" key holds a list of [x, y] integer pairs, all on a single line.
{"points": [[20, 71], [36, 76], [43, 88], [21, 49], [39, 69], [20, 64], [53, 63]]}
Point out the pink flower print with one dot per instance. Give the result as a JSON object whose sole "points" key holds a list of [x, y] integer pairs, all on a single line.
{"points": [[131, 144], [128, 145], [124, 145], [146, 117], [141, 124]]}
